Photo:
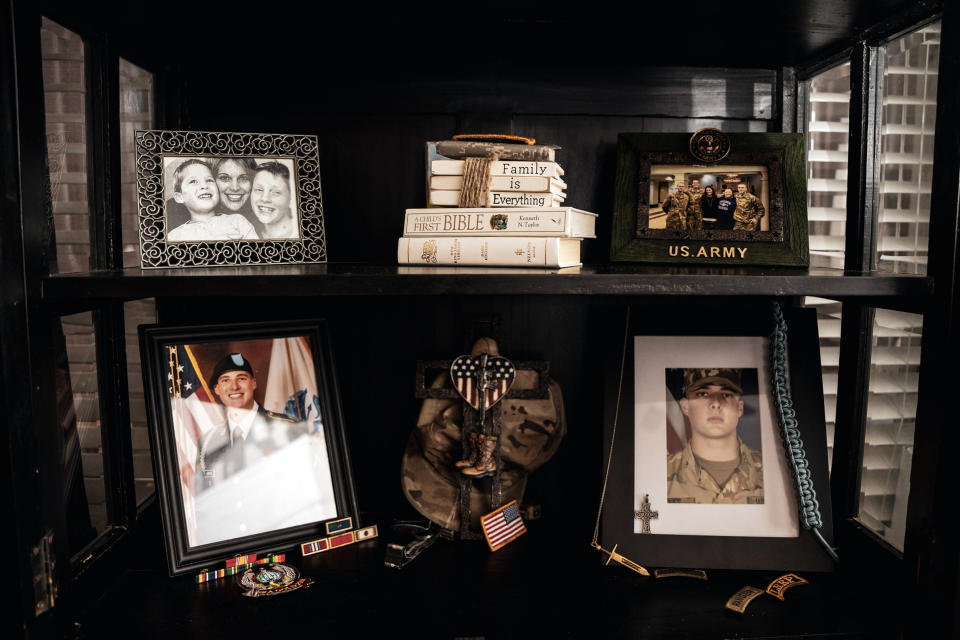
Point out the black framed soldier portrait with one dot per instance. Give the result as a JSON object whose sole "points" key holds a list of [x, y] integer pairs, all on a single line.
{"points": [[703, 470], [248, 437]]}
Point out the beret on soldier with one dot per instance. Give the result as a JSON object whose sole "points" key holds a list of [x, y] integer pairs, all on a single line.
{"points": [[694, 379], [233, 362]]}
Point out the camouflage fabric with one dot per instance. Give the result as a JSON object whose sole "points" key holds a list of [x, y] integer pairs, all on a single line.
{"points": [[675, 206], [748, 206], [688, 482], [693, 379], [531, 433], [694, 213]]}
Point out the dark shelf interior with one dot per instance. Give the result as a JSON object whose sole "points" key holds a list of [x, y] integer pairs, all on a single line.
{"points": [[373, 86], [357, 279]]}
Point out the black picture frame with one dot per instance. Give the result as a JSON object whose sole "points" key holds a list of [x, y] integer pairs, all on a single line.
{"points": [[802, 552], [201, 527], [783, 243], [292, 234]]}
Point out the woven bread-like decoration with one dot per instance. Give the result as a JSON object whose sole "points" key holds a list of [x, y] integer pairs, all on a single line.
{"points": [[493, 137]]}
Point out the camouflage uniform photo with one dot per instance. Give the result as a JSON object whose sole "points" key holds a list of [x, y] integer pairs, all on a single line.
{"points": [[694, 213], [749, 210], [715, 466], [675, 206]]}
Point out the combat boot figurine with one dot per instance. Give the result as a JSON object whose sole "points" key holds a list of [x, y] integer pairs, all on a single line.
{"points": [[486, 464], [473, 454]]}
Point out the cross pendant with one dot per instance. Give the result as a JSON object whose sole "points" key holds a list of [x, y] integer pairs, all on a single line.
{"points": [[646, 514]]}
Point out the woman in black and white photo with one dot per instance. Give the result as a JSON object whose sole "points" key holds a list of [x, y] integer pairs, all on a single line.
{"points": [[234, 179]]}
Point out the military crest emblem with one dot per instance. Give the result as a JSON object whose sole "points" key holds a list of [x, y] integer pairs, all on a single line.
{"points": [[272, 579], [709, 145]]}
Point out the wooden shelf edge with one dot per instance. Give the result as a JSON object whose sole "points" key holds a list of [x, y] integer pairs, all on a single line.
{"points": [[351, 279]]}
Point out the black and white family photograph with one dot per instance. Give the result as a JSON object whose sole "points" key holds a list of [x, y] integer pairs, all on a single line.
{"points": [[223, 198], [718, 198]]}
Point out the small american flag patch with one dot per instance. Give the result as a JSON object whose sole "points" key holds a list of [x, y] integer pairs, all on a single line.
{"points": [[502, 526]]}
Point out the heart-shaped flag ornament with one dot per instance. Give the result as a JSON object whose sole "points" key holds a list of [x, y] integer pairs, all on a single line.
{"points": [[483, 378]]}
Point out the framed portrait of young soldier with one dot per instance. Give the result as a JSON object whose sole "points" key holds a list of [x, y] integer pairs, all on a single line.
{"points": [[699, 474], [248, 438]]}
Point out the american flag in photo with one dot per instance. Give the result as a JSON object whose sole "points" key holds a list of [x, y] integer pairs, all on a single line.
{"points": [[503, 525], [194, 409]]}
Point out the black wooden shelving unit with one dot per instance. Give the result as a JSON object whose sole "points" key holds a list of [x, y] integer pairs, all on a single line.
{"points": [[614, 69]]}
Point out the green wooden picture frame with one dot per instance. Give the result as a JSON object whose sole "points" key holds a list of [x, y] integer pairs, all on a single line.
{"points": [[783, 243]]}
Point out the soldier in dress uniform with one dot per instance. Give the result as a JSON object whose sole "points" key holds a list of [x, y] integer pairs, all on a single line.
{"points": [[249, 432], [694, 213], [749, 210], [715, 466], [675, 206]]}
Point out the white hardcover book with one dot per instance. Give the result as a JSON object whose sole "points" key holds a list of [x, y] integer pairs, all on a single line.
{"points": [[500, 168], [502, 199], [507, 251], [486, 221], [502, 183]]}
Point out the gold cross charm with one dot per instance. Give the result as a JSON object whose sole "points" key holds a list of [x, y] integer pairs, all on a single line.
{"points": [[645, 514]]}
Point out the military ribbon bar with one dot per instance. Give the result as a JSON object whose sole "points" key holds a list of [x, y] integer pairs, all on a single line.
{"points": [[235, 568], [340, 540]]}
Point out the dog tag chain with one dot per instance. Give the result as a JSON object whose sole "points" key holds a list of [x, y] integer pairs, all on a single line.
{"points": [[612, 554]]}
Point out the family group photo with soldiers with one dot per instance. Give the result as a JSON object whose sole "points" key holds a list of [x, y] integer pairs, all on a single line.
{"points": [[686, 199], [230, 198]]}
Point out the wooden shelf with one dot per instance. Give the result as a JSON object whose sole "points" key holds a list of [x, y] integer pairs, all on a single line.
{"points": [[352, 279], [536, 587]]}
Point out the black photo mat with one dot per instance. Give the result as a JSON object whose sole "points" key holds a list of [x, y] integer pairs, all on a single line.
{"points": [[801, 553]]}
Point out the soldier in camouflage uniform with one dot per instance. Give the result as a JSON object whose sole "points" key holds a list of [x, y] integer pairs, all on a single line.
{"points": [[749, 210], [675, 206], [715, 466], [694, 213]]}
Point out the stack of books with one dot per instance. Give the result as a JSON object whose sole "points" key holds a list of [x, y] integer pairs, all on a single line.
{"points": [[523, 224], [524, 175]]}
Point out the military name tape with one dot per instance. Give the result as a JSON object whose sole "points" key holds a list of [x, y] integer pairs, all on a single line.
{"points": [[738, 602], [698, 574], [784, 582]]}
